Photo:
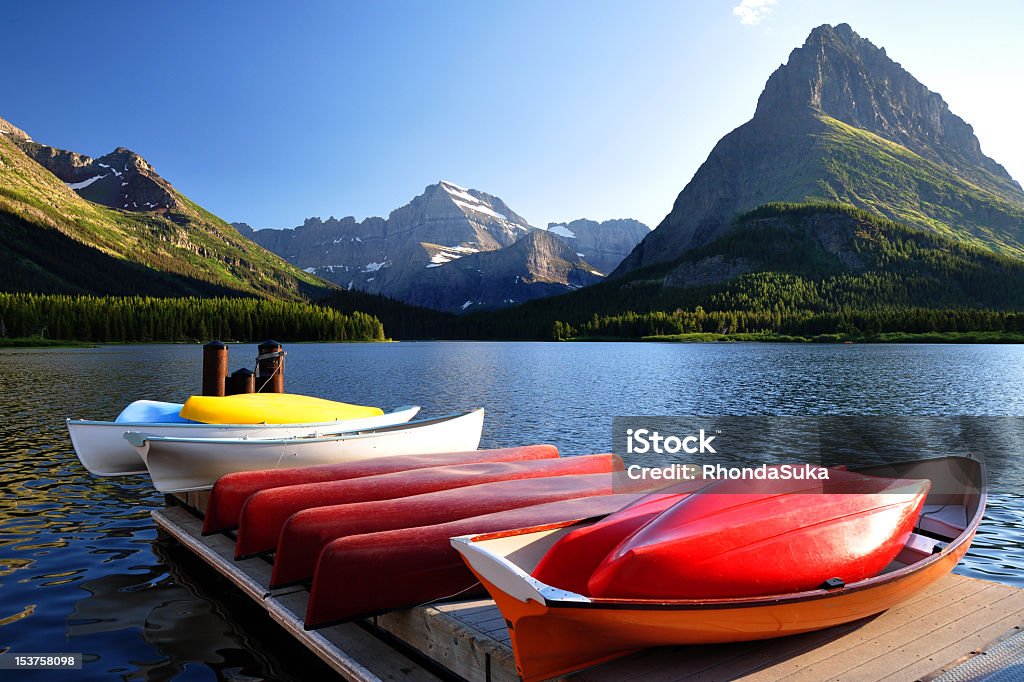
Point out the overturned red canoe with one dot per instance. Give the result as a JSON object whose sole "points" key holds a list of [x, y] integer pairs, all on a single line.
{"points": [[361, 575], [307, 532], [752, 538], [571, 560], [231, 491], [266, 511]]}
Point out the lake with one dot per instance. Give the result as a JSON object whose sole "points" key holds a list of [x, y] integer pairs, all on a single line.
{"points": [[82, 570]]}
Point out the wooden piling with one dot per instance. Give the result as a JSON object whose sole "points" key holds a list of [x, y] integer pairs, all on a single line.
{"points": [[215, 368], [270, 368], [241, 381]]}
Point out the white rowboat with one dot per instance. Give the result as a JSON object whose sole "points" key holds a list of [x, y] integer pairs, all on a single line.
{"points": [[179, 464], [102, 449]]}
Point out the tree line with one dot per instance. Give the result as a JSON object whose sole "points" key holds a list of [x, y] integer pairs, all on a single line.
{"points": [[882, 320], [126, 319]]}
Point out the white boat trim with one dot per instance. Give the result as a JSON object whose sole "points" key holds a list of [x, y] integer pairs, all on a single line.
{"points": [[490, 559], [102, 450], [135, 437]]}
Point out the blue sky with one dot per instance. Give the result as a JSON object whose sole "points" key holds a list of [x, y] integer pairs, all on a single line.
{"points": [[269, 112]]}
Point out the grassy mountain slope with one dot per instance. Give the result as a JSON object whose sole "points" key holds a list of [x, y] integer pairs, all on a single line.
{"points": [[886, 178], [56, 241]]}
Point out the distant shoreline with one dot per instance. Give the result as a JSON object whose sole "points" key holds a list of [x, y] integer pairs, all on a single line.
{"points": [[40, 342], [768, 337], [697, 337]]}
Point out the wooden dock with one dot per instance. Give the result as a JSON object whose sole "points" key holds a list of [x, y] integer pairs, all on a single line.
{"points": [[933, 633]]}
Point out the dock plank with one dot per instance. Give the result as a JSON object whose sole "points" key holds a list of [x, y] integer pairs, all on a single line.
{"points": [[351, 651], [856, 641], [808, 648], [877, 657], [462, 648], [936, 648]]}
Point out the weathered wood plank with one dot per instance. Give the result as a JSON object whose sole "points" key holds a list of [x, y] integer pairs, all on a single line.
{"points": [[934, 649], [477, 616], [878, 657], [459, 647], [883, 628], [463, 610]]}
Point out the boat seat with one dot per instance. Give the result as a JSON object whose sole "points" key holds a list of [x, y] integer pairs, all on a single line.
{"points": [[947, 520], [918, 547]]}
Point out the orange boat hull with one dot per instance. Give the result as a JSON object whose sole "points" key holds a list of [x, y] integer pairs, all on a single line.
{"points": [[561, 639]]}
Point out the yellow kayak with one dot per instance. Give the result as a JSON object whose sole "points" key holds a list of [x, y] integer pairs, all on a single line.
{"points": [[271, 408]]}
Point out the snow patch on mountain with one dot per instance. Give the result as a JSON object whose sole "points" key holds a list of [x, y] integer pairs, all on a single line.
{"points": [[85, 183]]}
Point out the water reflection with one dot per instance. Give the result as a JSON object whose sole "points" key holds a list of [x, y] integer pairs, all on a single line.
{"points": [[82, 568]]}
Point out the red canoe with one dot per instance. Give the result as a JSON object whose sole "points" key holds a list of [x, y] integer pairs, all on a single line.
{"points": [[362, 575], [307, 532], [231, 491], [752, 538], [571, 560], [266, 511]]}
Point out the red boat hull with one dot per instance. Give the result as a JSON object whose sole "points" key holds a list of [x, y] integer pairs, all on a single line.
{"points": [[362, 575], [754, 538], [231, 491], [571, 560], [265, 512], [307, 532]]}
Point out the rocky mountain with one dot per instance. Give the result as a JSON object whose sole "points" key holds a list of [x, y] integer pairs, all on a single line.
{"points": [[121, 179], [383, 255], [538, 265], [112, 225], [842, 122], [411, 255], [604, 245]]}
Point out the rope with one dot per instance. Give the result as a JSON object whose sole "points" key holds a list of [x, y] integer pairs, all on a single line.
{"points": [[280, 366], [446, 598]]}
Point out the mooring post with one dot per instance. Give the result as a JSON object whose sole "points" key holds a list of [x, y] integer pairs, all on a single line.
{"points": [[241, 381], [215, 368], [270, 368]]}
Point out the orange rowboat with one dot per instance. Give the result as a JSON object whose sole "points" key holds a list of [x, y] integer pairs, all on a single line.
{"points": [[555, 632]]}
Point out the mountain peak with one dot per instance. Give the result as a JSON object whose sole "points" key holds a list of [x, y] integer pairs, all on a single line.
{"points": [[485, 212], [840, 74], [843, 32], [841, 121], [8, 128]]}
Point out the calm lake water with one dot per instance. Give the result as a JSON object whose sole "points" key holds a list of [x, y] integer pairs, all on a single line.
{"points": [[81, 569]]}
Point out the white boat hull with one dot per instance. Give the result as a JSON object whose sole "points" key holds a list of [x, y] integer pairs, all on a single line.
{"points": [[102, 449], [181, 464]]}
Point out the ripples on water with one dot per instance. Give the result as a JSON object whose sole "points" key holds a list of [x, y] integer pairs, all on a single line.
{"points": [[81, 569]]}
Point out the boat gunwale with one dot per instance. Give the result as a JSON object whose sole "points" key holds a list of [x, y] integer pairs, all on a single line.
{"points": [[293, 440], [578, 601], [260, 425]]}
